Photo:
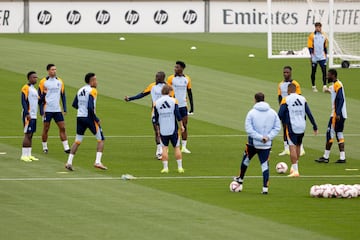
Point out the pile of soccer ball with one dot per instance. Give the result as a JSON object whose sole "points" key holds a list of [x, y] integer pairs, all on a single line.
{"points": [[335, 191]]}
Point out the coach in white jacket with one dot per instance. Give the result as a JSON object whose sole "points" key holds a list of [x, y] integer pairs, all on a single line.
{"points": [[262, 124]]}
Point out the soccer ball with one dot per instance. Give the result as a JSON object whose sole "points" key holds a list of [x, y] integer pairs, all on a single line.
{"points": [[328, 191], [316, 191], [281, 167], [235, 186]]}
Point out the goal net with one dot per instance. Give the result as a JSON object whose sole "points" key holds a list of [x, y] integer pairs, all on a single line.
{"points": [[293, 20]]}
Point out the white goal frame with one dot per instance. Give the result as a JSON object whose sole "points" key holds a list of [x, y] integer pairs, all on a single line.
{"points": [[334, 51]]}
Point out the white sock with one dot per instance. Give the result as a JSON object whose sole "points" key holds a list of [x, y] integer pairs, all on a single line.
{"points": [[165, 164], [286, 146], [66, 145], [44, 145], [342, 155], [295, 167], [302, 148], [70, 158], [183, 143], [29, 151], [98, 157], [179, 163], [326, 154], [24, 152]]}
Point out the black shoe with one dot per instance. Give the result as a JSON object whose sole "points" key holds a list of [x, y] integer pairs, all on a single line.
{"points": [[239, 180], [265, 193], [67, 151], [322, 160], [341, 161], [45, 151]]}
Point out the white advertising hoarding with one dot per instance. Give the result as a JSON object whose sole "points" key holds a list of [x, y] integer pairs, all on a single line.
{"points": [[90, 17], [286, 16], [11, 17]]}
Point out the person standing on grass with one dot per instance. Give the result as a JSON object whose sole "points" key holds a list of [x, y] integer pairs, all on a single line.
{"points": [[181, 84], [317, 45], [293, 111], [154, 89], [262, 124], [85, 103], [51, 89], [166, 115], [29, 102], [337, 118], [283, 92]]}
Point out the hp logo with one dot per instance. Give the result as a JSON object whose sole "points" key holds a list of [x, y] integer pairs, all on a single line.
{"points": [[102, 17], [161, 17], [44, 17], [132, 17], [73, 17], [190, 16]]}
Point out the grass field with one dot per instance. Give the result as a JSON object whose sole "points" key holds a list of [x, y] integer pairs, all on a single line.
{"points": [[40, 200]]}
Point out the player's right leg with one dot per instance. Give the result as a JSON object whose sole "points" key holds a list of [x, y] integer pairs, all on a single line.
{"points": [[175, 141], [322, 64], [165, 154], [286, 145], [81, 127], [330, 134], [29, 129], [46, 126], [339, 128], [313, 74], [249, 152], [295, 141], [95, 128], [184, 114]]}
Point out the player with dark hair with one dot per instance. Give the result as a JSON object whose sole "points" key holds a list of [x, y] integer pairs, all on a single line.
{"points": [[29, 102], [85, 103], [262, 124], [317, 45], [283, 92], [181, 84], [51, 89], [337, 118], [166, 115], [154, 89], [293, 111]]}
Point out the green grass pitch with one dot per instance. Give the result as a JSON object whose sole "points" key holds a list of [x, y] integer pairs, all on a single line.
{"points": [[40, 200]]}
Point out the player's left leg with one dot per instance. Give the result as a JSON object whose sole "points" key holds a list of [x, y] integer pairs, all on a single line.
{"points": [[339, 128], [175, 141], [158, 153], [263, 155], [322, 64], [184, 135], [330, 132], [286, 144], [165, 153], [313, 74], [29, 129], [295, 141], [100, 144]]}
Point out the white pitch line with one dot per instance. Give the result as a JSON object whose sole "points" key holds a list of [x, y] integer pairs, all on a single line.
{"points": [[151, 136], [164, 178]]}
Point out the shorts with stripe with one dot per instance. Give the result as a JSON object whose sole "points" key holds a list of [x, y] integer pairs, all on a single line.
{"points": [[29, 126], [57, 116], [174, 139], [84, 123]]}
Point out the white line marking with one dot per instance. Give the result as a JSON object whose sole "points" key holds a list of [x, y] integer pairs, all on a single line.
{"points": [[152, 136], [164, 178]]}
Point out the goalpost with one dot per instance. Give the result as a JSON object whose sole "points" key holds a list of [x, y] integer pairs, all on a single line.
{"points": [[293, 20]]}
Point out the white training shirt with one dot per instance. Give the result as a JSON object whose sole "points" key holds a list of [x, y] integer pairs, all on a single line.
{"points": [[83, 96], [296, 106], [180, 85], [53, 87], [31, 95], [156, 91], [165, 107]]}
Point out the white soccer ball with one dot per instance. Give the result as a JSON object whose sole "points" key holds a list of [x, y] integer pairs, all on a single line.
{"points": [[353, 191], [328, 191], [281, 167], [235, 186], [347, 191], [316, 191], [357, 186]]}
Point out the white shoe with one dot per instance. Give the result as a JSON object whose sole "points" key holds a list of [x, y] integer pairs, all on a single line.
{"points": [[302, 152], [285, 152], [185, 150], [314, 89], [325, 88]]}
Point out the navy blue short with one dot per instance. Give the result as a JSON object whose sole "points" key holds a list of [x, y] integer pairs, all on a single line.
{"points": [[174, 139], [295, 139], [84, 123], [57, 116], [183, 111], [29, 126]]}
